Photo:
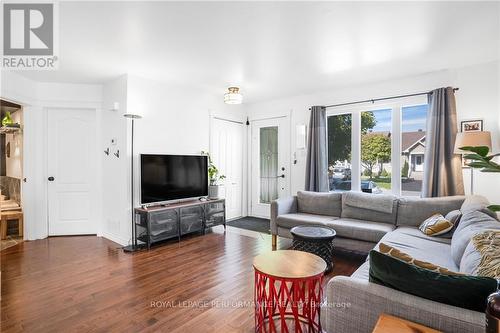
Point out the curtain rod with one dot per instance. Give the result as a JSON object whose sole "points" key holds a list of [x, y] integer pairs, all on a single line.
{"points": [[381, 99]]}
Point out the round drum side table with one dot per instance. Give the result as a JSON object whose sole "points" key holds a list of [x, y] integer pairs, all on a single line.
{"points": [[288, 291]]}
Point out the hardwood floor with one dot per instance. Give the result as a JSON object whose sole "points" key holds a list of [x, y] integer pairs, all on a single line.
{"points": [[87, 284]]}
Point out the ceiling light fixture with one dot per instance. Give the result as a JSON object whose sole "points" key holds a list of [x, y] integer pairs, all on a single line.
{"points": [[233, 96]]}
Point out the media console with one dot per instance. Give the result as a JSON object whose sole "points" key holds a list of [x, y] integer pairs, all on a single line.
{"points": [[155, 224]]}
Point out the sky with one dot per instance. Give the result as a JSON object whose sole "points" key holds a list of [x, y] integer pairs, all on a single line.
{"points": [[413, 119]]}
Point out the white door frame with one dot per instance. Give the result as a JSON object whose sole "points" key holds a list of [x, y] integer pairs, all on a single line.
{"points": [[243, 137], [286, 156]]}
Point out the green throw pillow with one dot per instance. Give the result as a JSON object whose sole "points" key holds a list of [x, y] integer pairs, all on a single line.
{"points": [[465, 291]]}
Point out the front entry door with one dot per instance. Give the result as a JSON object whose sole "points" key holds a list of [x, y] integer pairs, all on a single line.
{"points": [[71, 170], [270, 163]]}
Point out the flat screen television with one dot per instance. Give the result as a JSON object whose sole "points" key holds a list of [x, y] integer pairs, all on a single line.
{"points": [[173, 177]]}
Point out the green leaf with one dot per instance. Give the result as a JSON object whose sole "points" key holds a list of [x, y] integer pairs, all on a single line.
{"points": [[489, 158], [474, 157], [478, 165], [480, 150], [490, 170], [494, 208]]}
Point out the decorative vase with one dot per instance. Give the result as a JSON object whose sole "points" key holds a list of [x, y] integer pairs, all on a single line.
{"points": [[493, 313], [213, 191]]}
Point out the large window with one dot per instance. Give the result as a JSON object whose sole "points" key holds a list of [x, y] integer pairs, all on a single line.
{"points": [[413, 124], [339, 152], [376, 151], [379, 149]]}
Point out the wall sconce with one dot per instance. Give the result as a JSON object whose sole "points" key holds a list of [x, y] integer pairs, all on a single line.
{"points": [[117, 154], [106, 151]]}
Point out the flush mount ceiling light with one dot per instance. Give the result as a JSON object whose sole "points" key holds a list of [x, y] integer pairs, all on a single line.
{"points": [[233, 96]]}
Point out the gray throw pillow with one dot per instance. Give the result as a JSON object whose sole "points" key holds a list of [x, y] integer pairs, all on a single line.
{"points": [[454, 217], [470, 224]]}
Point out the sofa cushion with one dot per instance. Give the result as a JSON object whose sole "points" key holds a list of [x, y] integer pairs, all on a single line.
{"points": [[412, 211], [319, 203], [397, 254], [482, 255], [422, 247], [477, 202], [358, 229], [294, 219], [465, 291], [363, 272], [349, 210], [471, 223]]}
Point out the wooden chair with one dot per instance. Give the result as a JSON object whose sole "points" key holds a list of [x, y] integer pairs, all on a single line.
{"points": [[9, 216]]}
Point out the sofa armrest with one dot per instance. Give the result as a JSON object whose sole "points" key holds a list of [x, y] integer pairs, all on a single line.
{"points": [[354, 305], [282, 206]]}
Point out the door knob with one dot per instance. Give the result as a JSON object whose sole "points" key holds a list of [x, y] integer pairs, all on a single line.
{"points": [[51, 179]]}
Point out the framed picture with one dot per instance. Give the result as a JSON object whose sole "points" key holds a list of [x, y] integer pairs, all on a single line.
{"points": [[472, 125]]}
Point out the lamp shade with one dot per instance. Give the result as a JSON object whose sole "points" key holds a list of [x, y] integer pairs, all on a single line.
{"points": [[472, 139]]}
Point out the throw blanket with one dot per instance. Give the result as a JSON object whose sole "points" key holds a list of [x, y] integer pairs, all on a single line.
{"points": [[488, 245], [377, 202]]}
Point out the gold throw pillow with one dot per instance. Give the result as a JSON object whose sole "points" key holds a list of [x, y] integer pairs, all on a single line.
{"points": [[436, 225], [395, 253]]}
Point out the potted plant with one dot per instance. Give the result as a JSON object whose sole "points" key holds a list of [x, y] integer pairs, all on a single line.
{"points": [[7, 120], [214, 178], [481, 160]]}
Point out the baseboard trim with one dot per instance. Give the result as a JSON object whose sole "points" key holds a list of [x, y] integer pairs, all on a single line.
{"points": [[115, 238]]}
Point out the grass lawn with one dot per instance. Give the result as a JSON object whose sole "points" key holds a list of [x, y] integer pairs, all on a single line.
{"points": [[382, 182]]}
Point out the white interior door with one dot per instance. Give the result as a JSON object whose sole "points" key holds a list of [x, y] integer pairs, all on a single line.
{"points": [[71, 172], [226, 150], [270, 163]]}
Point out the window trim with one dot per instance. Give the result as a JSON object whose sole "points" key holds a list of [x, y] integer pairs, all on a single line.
{"points": [[396, 135]]}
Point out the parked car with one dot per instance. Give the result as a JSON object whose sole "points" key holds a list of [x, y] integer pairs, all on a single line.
{"points": [[341, 173], [367, 186]]}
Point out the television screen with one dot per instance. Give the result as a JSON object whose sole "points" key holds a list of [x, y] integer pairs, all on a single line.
{"points": [[172, 177]]}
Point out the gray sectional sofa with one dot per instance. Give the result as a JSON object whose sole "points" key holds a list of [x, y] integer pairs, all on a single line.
{"points": [[362, 221]]}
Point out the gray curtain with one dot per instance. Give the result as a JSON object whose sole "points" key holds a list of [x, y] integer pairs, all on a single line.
{"points": [[442, 168], [317, 159]]}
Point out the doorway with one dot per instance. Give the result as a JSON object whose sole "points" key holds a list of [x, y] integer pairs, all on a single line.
{"points": [[72, 169], [11, 174], [226, 150], [270, 163]]}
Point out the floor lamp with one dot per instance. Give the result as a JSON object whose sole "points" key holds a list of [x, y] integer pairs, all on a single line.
{"points": [[472, 139], [133, 246]]}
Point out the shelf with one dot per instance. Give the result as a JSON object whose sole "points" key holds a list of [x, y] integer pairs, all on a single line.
{"points": [[9, 130]]}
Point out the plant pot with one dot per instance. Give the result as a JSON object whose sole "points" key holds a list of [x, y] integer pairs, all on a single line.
{"points": [[213, 191]]}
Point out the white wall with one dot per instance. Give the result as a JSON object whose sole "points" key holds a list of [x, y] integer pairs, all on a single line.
{"points": [[115, 221], [36, 98], [175, 121], [477, 98]]}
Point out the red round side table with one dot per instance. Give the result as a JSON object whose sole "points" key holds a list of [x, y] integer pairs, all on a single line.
{"points": [[288, 291]]}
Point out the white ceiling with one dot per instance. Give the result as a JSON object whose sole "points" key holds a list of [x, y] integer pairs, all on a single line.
{"points": [[271, 49]]}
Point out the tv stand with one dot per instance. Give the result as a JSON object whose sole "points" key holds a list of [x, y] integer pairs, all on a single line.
{"points": [[159, 223]]}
